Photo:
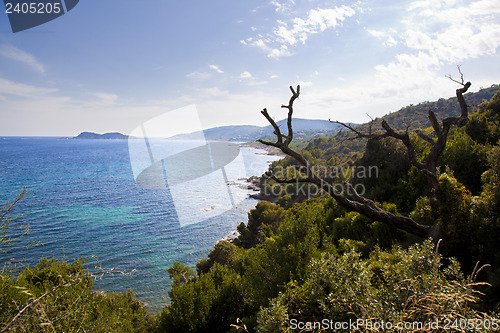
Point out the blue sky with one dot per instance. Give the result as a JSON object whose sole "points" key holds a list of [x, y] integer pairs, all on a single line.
{"points": [[112, 65]]}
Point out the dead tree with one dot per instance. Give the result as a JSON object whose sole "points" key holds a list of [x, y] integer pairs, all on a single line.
{"points": [[354, 202], [429, 166]]}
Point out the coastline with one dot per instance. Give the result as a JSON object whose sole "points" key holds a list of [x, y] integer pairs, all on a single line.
{"points": [[254, 181], [271, 151]]}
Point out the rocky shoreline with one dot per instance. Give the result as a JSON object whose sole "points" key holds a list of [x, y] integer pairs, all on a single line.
{"points": [[255, 185], [272, 151]]}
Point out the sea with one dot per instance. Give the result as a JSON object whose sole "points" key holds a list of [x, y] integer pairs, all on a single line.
{"points": [[84, 201]]}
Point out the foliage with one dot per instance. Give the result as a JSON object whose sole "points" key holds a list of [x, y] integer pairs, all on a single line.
{"points": [[396, 286], [484, 127], [180, 273], [491, 180], [58, 296], [467, 159], [262, 222], [208, 303], [224, 253]]}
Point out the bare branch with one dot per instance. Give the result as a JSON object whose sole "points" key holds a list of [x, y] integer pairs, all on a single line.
{"points": [[268, 143], [370, 125], [434, 122], [277, 131], [8, 223], [295, 95], [425, 137], [429, 167], [359, 134], [359, 203], [461, 100], [461, 77], [349, 127]]}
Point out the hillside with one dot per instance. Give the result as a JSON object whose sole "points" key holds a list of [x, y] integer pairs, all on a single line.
{"points": [[222, 133], [338, 147], [415, 116]]}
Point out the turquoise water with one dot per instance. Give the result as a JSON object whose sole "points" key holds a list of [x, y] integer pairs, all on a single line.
{"points": [[84, 201]]}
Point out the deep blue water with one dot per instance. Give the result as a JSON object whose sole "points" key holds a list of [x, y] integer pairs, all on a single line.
{"points": [[84, 201]]}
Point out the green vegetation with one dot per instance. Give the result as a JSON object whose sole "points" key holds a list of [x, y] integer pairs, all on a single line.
{"points": [[313, 260], [57, 296], [303, 261]]}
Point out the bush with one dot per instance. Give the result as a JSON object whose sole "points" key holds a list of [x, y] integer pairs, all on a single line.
{"points": [[57, 296], [391, 286]]}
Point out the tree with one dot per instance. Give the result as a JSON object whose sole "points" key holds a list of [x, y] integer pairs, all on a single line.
{"points": [[350, 199], [354, 202], [180, 273], [262, 222]]}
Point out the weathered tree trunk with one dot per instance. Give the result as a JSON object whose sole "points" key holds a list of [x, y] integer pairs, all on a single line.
{"points": [[358, 203]]}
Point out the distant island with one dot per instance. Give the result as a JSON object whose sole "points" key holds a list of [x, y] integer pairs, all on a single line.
{"points": [[107, 136]]}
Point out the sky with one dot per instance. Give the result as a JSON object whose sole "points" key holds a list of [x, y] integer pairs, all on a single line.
{"points": [[113, 65]]}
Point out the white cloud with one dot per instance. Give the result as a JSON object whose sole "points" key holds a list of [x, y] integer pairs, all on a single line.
{"points": [[452, 31], [199, 75], [389, 40], [12, 52], [436, 33], [283, 6], [216, 68], [214, 92], [23, 90], [290, 33], [248, 79], [317, 20], [305, 83], [105, 99], [245, 75], [203, 74], [262, 44]]}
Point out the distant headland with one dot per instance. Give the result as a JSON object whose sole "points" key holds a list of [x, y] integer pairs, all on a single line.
{"points": [[107, 136]]}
